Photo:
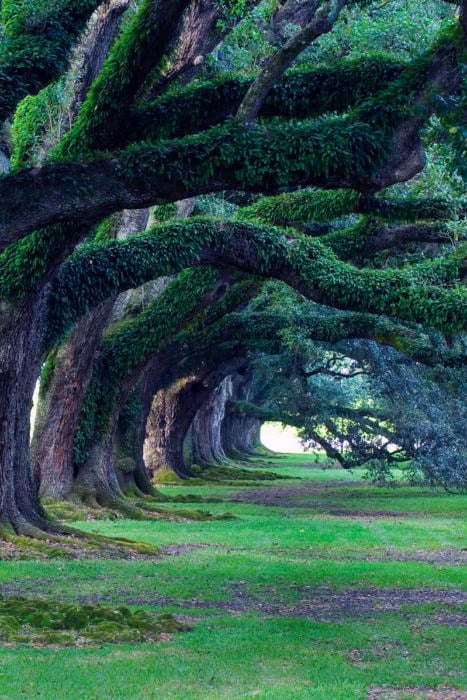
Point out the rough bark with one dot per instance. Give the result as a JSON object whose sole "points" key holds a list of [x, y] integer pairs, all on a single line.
{"points": [[241, 435], [172, 412], [21, 331], [199, 34], [277, 64], [174, 409], [95, 48], [206, 430], [131, 434], [240, 432], [59, 409], [97, 480]]}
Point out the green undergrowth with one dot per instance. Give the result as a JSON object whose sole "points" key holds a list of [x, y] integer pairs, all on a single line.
{"points": [[41, 622]]}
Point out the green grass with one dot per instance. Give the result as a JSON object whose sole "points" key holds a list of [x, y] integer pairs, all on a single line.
{"points": [[344, 537], [235, 658]]}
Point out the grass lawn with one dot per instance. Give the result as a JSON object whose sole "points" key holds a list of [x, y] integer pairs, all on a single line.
{"points": [[322, 587]]}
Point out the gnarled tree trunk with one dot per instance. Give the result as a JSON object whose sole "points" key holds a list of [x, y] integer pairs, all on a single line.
{"points": [[21, 330], [206, 432], [59, 409], [60, 404], [172, 412]]}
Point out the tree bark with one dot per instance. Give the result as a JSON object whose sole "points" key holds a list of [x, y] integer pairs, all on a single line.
{"points": [[21, 330], [206, 432], [94, 49], [131, 434], [96, 480], [59, 409], [240, 432], [60, 405], [277, 64], [171, 415]]}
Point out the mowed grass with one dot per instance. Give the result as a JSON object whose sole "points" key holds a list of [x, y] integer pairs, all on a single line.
{"points": [[266, 595]]}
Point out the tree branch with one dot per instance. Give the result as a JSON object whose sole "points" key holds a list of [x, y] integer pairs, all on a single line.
{"points": [[277, 64], [306, 265], [36, 46]]}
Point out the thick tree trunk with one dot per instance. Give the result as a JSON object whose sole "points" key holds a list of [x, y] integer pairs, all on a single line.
{"points": [[207, 442], [59, 409], [240, 435], [60, 405], [96, 480], [171, 415], [217, 433], [22, 332], [131, 434], [240, 432]]}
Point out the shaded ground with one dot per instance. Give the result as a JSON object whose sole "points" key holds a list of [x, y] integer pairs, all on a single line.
{"points": [[450, 557], [313, 496], [324, 605]]}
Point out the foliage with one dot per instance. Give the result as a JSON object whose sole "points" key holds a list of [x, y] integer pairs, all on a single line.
{"points": [[37, 40]]}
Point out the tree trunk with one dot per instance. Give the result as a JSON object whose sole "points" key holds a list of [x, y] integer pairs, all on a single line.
{"points": [[131, 433], [94, 49], [60, 404], [59, 409], [96, 480], [172, 413], [21, 330], [207, 442], [241, 435]]}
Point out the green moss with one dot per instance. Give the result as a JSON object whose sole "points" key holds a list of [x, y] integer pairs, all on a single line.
{"points": [[166, 476], [103, 117], [232, 474], [48, 370], [300, 94], [125, 464], [35, 48], [298, 208], [24, 620]]}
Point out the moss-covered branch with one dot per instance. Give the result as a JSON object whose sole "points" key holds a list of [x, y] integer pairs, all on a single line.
{"points": [[306, 92], [321, 22], [36, 46], [374, 146], [140, 48], [424, 293], [298, 208]]}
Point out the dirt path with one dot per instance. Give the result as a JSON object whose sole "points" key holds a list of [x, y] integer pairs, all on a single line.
{"points": [[448, 557], [316, 497], [385, 693], [322, 604]]}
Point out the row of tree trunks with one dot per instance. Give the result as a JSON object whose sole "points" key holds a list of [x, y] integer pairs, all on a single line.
{"points": [[189, 422]]}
